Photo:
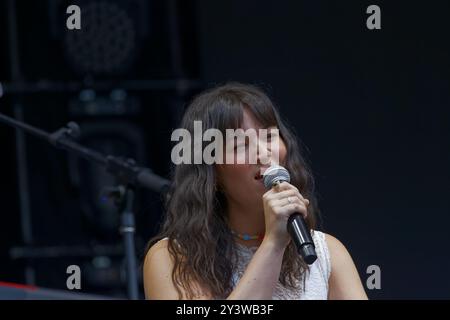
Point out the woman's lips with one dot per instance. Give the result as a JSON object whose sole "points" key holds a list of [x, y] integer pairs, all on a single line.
{"points": [[259, 180]]}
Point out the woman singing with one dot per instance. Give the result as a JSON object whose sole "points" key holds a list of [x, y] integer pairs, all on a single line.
{"points": [[224, 235]]}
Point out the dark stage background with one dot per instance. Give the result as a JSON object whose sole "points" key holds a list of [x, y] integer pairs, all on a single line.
{"points": [[372, 106]]}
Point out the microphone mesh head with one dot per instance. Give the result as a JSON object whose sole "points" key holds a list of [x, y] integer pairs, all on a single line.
{"points": [[275, 174]]}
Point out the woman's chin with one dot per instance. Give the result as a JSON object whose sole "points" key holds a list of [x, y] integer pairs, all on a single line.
{"points": [[260, 185]]}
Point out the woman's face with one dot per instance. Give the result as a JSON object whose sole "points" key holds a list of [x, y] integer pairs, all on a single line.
{"points": [[243, 183]]}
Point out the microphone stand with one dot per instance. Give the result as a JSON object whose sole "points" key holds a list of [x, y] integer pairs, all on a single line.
{"points": [[125, 170]]}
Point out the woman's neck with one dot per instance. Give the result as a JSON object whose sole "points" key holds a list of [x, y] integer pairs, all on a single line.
{"points": [[246, 221]]}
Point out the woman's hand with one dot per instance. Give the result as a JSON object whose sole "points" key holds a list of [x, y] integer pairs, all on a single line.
{"points": [[279, 203]]}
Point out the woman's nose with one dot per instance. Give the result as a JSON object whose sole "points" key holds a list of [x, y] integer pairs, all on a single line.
{"points": [[264, 154]]}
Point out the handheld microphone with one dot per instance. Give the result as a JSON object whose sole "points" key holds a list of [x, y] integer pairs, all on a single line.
{"points": [[296, 225]]}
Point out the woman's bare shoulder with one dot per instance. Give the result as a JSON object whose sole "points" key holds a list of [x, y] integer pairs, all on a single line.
{"points": [[160, 248], [344, 282], [157, 272], [334, 244]]}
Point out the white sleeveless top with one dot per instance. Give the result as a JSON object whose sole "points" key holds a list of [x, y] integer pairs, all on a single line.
{"points": [[316, 282]]}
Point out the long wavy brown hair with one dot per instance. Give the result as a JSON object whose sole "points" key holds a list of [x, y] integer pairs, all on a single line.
{"points": [[200, 240]]}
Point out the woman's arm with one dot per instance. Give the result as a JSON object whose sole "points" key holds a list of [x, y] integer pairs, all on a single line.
{"points": [[257, 282], [344, 282], [262, 273]]}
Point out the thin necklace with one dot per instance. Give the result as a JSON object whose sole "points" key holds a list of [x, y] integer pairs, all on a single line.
{"points": [[247, 236]]}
